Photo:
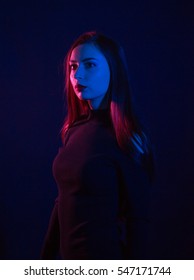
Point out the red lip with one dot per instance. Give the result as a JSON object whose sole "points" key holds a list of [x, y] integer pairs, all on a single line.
{"points": [[80, 87]]}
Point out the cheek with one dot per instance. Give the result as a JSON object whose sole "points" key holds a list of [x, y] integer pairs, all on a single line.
{"points": [[105, 75], [71, 78], [100, 85], [104, 80], [107, 79]]}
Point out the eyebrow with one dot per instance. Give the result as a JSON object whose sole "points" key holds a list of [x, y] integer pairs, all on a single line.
{"points": [[85, 59]]}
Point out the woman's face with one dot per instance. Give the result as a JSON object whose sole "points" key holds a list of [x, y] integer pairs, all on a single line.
{"points": [[89, 74]]}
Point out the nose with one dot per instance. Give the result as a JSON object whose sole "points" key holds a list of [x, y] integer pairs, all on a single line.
{"points": [[79, 73]]}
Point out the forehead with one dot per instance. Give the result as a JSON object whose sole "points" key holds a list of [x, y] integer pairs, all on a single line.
{"points": [[84, 51]]}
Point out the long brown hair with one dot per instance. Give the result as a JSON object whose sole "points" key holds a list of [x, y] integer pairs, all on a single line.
{"points": [[128, 131]]}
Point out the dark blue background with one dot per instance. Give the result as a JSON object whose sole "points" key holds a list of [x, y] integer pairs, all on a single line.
{"points": [[158, 39]]}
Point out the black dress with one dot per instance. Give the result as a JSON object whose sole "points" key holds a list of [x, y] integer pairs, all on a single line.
{"points": [[100, 211]]}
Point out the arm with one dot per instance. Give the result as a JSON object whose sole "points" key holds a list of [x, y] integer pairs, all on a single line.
{"points": [[136, 188], [52, 239]]}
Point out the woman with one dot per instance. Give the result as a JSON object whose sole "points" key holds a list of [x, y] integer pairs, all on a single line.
{"points": [[103, 168]]}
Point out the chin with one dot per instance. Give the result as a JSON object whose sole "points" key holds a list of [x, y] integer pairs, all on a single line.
{"points": [[83, 96], [80, 96]]}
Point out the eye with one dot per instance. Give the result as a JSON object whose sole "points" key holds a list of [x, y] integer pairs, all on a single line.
{"points": [[90, 64], [73, 66]]}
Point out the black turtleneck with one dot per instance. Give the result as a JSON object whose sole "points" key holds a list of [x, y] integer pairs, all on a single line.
{"points": [[100, 211]]}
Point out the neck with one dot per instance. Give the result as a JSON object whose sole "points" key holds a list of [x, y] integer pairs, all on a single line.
{"points": [[94, 106], [99, 104]]}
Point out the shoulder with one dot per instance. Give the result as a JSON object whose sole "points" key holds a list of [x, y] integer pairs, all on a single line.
{"points": [[135, 164]]}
